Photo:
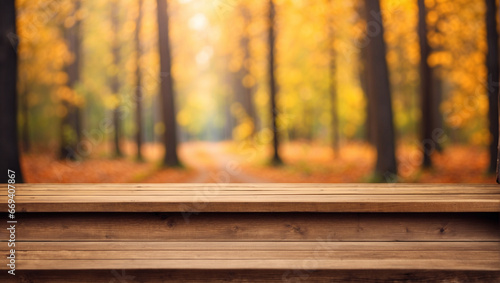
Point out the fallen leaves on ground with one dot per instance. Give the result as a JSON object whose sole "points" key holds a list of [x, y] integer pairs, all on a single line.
{"points": [[45, 168], [316, 163], [304, 162]]}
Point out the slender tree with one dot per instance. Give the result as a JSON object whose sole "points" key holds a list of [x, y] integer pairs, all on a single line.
{"points": [[115, 80], [228, 100], [437, 119], [493, 79], [370, 116], [426, 87], [244, 74], [380, 94], [272, 84], [167, 88], [9, 148], [437, 85], [369, 126], [71, 126], [242, 88], [138, 90], [333, 83], [25, 114]]}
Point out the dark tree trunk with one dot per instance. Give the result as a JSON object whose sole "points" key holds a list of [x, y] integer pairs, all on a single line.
{"points": [[334, 103], [272, 85], [167, 89], [138, 90], [437, 84], [71, 128], [25, 114], [493, 78], [426, 88], [437, 119], [333, 85], [380, 94], [363, 82], [370, 129], [245, 45], [9, 148], [115, 81]]}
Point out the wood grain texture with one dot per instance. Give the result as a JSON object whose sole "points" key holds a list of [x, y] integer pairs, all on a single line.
{"points": [[246, 276], [258, 264], [257, 232], [265, 251], [255, 198], [291, 255], [257, 204], [259, 246], [71, 227], [216, 188]]}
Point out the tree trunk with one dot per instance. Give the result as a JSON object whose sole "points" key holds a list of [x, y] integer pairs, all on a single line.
{"points": [[333, 85], [426, 89], [380, 94], [115, 81], [25, 114], [437, 84], [167, 89], [437, 119], [138, 90], [272, 86], [363, 82], [370, 130], [71, 128], [9, 148], [493, 79], [245, 45]]}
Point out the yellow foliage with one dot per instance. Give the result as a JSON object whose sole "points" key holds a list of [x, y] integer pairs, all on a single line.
{"points": [[481, 138], [248, 81], [243, 130], [111, 101], [159, 128], [207, 52], [183, 118], [264, 136], [60, 78], [69, 22]]}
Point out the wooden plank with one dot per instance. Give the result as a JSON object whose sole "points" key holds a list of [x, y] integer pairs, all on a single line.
{"points": [[259, 246], [256, 198], [257, 255], [236, 193], [261, 198], [254, 204], [248, 276], [260, 203], [386, 256], [339, 264], [339, 189], [324, 227], [285, 188]]}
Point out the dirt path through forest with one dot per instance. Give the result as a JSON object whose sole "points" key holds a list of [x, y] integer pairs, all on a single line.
{"points": [[214, 165]]}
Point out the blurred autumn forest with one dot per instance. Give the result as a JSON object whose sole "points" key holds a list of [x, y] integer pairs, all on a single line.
{"points": [[250, 91]]}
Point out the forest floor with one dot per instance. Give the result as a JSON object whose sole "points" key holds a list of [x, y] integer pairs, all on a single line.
{"points": [[230, 162]]}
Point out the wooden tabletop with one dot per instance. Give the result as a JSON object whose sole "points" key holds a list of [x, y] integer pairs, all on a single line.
{"points": [[255, 197], [258, 255]]}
